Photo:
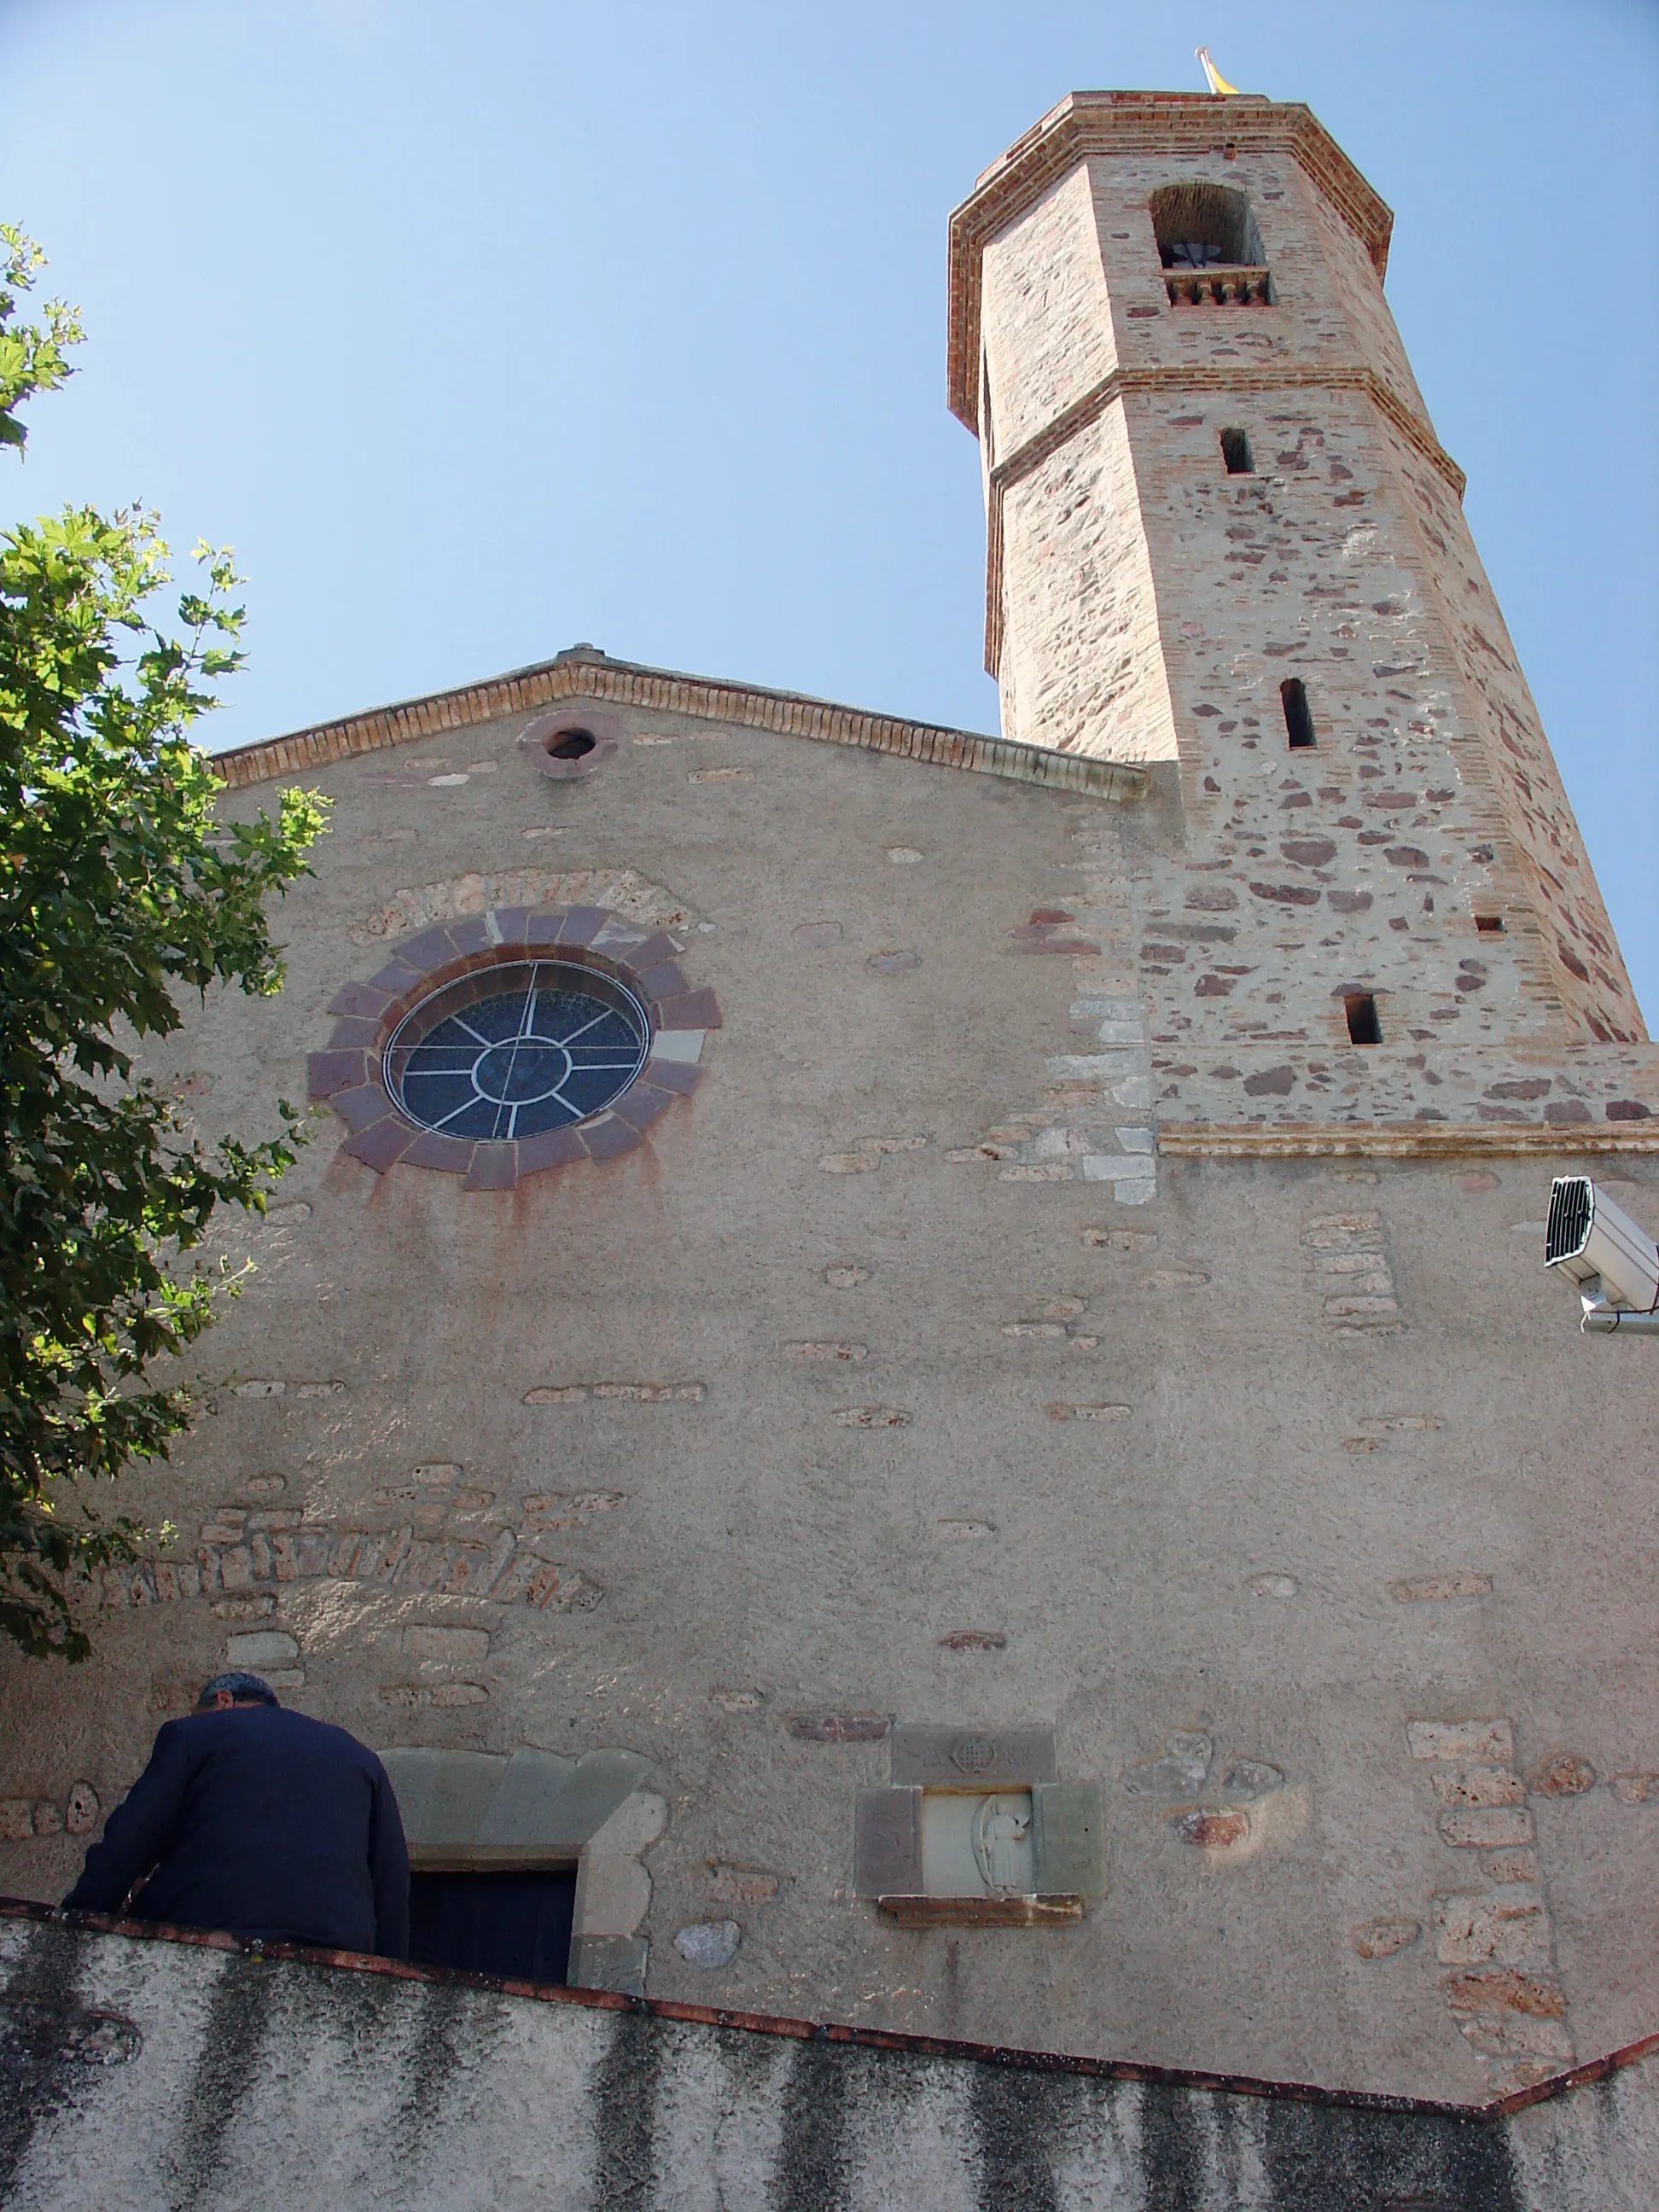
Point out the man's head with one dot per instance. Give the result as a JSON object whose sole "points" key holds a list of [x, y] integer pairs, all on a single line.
{"points": [[236, 1689]]}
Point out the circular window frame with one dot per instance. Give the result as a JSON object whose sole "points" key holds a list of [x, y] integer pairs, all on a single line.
{"points": [[539, 740], [535, 977], [349, 1074]]}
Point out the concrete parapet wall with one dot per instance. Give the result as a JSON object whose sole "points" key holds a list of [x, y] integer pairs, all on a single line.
{"points": [[157, 2075]]}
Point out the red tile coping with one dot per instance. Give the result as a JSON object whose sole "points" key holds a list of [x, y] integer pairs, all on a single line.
{"points": [[348, 1073], [868, 2039], [583, 674]]}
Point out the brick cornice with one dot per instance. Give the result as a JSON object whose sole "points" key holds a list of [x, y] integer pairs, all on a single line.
{"points": [[1088, 123], [583, 674], [1399, 1141]]}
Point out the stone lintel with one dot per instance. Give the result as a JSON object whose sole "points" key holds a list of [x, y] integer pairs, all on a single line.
{"points": [[973, 1758]]}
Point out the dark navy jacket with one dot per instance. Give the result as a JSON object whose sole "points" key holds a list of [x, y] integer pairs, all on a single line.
{"points": [[262, 1822]]}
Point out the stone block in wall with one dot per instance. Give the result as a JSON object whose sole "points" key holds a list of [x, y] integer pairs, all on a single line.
{"points": [[973, 1758], [609, 1962], [887, 1852], [443, 1794], [601, 1783], [524, 1801], [1068, 1824], [613, 1893]]}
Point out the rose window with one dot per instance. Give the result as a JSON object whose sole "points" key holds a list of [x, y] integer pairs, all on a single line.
{"points": [[511, 1050]]}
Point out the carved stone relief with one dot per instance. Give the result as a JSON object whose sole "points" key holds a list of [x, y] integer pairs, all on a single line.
{"points": [[976, 1830]]}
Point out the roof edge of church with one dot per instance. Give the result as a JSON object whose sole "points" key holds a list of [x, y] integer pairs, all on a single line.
{"points": [[585, 672]]}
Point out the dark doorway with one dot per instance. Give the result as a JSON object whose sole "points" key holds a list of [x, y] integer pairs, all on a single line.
{"points": [[513, 1924]]}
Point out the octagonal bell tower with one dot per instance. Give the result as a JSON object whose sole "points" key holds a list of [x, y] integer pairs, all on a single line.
{"points": [[1223, 539]]}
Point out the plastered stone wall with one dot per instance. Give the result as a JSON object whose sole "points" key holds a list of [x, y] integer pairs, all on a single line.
{"points": [[824, 1408], [1049, 333], [1080, 663]]}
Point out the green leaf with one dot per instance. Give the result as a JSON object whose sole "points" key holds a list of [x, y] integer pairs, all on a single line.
{"points": [[118, 890]]}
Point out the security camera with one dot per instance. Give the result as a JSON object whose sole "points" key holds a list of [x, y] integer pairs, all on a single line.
{"points": [[1614, 1263]]}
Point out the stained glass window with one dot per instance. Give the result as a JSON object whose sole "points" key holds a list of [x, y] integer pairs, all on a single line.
{"points": [[511, 1050]]}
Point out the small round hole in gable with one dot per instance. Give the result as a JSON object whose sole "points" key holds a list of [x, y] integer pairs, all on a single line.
{"points": [[563, 748]]}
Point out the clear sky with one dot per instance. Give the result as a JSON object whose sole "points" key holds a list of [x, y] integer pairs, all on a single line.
{"points": [[481, 329]]}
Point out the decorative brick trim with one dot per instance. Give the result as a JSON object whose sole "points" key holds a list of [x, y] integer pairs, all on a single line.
{"points": [[348, 1072], [1087, 122], [1399, 1140], [584, 673]]}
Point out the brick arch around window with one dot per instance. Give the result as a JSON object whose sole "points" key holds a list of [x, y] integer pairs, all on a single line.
{"points": [[348, 1072], [479, 1811]]}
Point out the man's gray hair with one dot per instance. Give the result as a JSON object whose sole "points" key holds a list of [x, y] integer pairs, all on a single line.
{"points": [[246, 1689]]}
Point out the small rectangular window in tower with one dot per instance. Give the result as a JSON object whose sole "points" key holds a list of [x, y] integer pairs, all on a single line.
{"points": [[1490, 925], [1235, 451], [1363, 1028], [1299, 721]]}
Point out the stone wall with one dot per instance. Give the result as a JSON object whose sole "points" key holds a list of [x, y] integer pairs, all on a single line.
{"points": [[1145, 604], [906, 1373]]}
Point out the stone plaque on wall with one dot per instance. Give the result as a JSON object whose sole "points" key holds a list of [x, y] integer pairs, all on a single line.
{"points": [[977, 1846], [973, 1758], [986, 1858]]}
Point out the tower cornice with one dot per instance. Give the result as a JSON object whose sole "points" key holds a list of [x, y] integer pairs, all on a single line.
{"points": [[1086, 122]]}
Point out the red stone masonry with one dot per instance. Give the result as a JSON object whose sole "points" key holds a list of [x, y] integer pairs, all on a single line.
{"points": [[349, 1071]]}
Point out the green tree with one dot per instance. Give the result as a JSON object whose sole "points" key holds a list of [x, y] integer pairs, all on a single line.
{"points": [[116, 887]]}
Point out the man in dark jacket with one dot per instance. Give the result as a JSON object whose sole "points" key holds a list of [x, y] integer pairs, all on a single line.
{"points": [[260, 1822]]}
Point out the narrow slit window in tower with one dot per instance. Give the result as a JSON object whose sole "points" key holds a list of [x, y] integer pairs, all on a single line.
{"points": [[1235, 451], [1299, 721], [1490, 925], [1363, 1028]]}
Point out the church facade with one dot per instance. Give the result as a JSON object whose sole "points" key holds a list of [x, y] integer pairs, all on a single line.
{"points": [[925, 1354]]}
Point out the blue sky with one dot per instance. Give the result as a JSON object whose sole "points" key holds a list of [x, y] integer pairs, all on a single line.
{"points": [[478, 329]]}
